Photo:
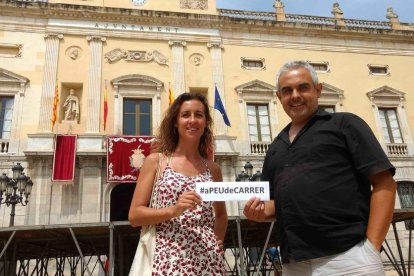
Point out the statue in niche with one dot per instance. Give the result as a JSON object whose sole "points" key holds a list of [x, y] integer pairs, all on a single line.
{"points": [[71, 107], [391, 13]]}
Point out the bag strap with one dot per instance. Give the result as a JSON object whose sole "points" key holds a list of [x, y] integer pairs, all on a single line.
{"points": [[157, 175]]}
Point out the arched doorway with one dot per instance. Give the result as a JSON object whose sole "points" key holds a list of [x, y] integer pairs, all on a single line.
{"points": [[121, 196]]}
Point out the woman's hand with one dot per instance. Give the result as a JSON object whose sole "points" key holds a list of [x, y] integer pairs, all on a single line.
{"points": [[220, 245], [187, 200]]}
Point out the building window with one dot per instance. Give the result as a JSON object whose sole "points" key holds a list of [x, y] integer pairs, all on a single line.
{"points": [[320, 66], [253, 63], [406, 194], [330, 109], [6, 113], [137, 116], [258, 123], [378, 69], [390, 126]]}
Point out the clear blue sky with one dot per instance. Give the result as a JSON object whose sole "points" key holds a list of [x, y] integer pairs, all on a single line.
{"points": [[355, 9]]}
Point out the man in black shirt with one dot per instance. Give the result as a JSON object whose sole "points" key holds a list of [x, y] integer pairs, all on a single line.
{"points": [[321, 168]]}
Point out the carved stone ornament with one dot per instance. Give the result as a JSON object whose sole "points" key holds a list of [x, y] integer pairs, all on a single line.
{"points": [[194, 4], [196, 59], [74, 52], [135, 55], [115, 55]]}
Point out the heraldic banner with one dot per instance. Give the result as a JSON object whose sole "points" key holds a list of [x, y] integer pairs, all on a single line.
{"points": [[64, 158], [125, 156]]}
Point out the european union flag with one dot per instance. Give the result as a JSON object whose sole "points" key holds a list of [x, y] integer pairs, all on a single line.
{"points": [[218, 104]]}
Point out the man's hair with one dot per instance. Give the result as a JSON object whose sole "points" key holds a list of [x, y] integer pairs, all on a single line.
{"points": [[167, 139], [294, 64]]}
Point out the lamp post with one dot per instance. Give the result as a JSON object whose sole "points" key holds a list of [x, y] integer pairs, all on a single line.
{"points": [[248, 175], [245, 176], [15, 189]]}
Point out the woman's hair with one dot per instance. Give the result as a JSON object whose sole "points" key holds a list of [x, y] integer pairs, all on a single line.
{"points": [[167, 139]]}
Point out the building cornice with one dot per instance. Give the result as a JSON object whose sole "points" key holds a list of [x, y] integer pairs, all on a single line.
{"points": [[304, 26]]}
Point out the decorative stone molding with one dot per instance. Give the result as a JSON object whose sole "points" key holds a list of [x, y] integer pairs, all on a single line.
{"points": [[136, 56], [74, 52], [172, 43], [245, 60], [115, 55], [145, 56], [215, 45], [52, 35], [11, 50], [90, 38], [331, 96], [137, 80], [194, 4], [386, 96]]}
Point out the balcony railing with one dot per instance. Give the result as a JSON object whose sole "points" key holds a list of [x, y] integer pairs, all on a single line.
{"points": [[397, 150], [4, 146], [259, 148]]}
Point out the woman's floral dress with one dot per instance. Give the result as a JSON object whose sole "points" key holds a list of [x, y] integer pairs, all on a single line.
{"points": [[185, 245]]}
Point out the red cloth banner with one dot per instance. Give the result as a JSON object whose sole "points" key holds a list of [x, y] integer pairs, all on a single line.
{"points": [[105, 114], [125, 156], [64, 158]]}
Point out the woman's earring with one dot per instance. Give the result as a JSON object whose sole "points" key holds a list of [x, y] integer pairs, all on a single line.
{"points": [[175, 131]]}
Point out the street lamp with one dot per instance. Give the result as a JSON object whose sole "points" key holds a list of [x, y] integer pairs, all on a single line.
{"points": [[245, 176], [15, 189], [248, 175]]}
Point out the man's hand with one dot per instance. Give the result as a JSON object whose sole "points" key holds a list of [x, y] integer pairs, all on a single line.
{"points": [[256, 210]]}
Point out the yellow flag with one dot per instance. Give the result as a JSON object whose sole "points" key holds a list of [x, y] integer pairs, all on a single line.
{"points": [[55, 105], [170, 96]]}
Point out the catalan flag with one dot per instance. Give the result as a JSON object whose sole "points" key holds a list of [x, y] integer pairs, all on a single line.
{"points": [[218, 104], [171, 98], [105, 114], [55, 105]]}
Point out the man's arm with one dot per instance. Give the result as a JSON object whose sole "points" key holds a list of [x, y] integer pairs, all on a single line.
{"points": [[382, 207], [260, 211]]}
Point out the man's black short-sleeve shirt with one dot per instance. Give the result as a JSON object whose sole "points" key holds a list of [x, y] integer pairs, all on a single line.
{"points": [[320, 184]]}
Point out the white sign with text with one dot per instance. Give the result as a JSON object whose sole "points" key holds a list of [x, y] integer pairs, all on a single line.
{"points": [[232, 191]]}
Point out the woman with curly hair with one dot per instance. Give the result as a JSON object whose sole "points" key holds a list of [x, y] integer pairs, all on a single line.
{"points": [[189, 232]]}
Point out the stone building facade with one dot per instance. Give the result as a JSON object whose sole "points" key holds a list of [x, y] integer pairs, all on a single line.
{"points": [[138, 50]]}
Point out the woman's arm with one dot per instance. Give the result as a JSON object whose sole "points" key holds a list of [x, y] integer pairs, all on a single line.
{"points": [[220, 226], [139, 212]]}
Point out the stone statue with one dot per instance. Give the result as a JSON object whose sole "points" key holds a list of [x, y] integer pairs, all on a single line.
{"points": [[278, 4], [391, 13], [336, 9], [71, 107]]}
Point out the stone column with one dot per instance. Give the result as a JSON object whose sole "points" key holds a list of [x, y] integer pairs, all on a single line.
{"points": [[94, 84], [49, 82], [218, 80], [178, 69]]}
